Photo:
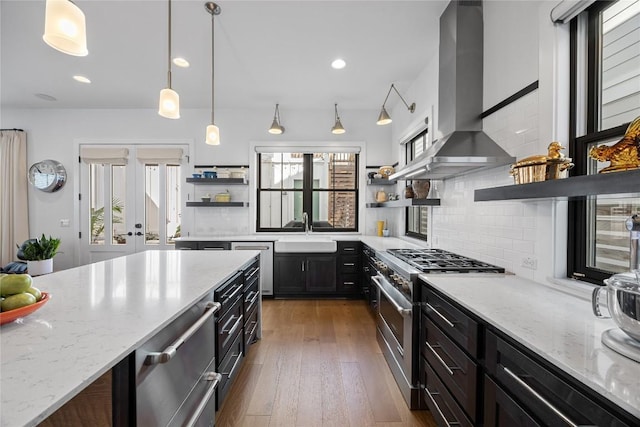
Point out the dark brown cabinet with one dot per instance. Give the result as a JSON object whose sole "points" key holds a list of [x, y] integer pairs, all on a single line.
{"points": [[349, 269], [302, 275]]}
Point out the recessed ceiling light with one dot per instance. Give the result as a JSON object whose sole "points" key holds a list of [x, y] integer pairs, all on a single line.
{"points": [[45, 97], [338, 64], [81, 79], [181, 62]]}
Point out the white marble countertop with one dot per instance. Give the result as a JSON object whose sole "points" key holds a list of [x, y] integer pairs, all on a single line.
{"points": [[97, 315], [374, 242], [557, 326]]}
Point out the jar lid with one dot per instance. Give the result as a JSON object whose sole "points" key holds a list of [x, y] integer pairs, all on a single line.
{"points": [[628, 282]]}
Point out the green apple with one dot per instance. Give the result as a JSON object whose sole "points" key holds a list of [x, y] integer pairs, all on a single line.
{"points": [[14, 284], [35, 292], [18, 300]]}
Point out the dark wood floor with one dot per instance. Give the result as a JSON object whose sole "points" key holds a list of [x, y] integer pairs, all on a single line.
{"points": [[318, 364]]}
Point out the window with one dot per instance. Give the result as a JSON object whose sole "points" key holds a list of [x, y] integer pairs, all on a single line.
{"points": [[417, 217], [322, 185], [606, 39]]}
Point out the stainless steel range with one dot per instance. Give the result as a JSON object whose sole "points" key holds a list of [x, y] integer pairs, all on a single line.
{"points": [[398, 311]]}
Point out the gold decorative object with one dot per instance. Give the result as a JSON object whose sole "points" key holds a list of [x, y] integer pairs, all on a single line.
{"points": [[624, 154], [542, 168], [386, 171]]}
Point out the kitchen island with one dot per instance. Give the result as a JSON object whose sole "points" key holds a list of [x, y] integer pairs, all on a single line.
{"points": [[98, 314]]}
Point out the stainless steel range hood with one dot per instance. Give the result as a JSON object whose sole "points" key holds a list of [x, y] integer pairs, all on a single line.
{"points": [[465, 147]]}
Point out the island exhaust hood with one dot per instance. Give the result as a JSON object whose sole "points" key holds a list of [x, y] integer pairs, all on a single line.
{"points": [[465, 147]]}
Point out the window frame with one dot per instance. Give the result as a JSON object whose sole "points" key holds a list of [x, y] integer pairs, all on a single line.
{"points": [[577, 236], [307, 197], [422, 137]]}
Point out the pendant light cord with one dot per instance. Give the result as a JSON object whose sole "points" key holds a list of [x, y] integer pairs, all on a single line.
{"points": [[212, 68], [169, 50]]}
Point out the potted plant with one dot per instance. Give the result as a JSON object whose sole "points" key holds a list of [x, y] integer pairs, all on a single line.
{"points": [[39, 254]]}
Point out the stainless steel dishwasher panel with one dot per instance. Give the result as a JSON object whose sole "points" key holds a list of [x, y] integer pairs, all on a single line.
{"points": [[266, 262], [172, 364]]}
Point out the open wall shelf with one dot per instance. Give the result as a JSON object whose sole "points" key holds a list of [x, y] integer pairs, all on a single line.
{"points": [[405, 203], [623, 183], [219, 181], [218, 204]]}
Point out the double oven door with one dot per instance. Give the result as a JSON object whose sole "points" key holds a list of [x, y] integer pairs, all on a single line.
{"points": [[397, 332]]}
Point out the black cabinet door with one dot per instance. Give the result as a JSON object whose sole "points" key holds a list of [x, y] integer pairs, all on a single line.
{"points": [[501, 410], [289, 273], [321, 273]]}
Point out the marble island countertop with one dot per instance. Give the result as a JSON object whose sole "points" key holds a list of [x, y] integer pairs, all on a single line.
{"points": [[97, 315], [559, 327]]}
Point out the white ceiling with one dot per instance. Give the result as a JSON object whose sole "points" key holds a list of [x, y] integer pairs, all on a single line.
{"points": [[265, 52]]}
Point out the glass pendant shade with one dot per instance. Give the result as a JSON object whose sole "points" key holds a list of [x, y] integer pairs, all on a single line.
{"points": [[383, 118], [213, 135], [169, 104], [65, 28]]}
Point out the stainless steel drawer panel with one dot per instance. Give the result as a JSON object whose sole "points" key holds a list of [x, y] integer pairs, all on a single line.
{"points": [[199, 409], [250, 328], [227, 327], [456, 370], [443, 406], [180, 373], [229, 368], [251, 297], [460, 327]]}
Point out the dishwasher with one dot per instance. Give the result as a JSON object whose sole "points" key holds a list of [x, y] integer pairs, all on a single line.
{"points": [[266, 262]]}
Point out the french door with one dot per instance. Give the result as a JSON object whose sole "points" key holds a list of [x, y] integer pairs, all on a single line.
{"points": [[130, 199]]}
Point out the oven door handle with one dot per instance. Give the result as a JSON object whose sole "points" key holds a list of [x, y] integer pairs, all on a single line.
{"points": [[403, 311], [167, 354]]}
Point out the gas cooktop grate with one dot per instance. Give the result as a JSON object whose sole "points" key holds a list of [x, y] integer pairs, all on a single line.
{"points": [[441, 261]]}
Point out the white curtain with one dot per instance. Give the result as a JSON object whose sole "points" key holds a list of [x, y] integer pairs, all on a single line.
{"points": [[14, 208]]}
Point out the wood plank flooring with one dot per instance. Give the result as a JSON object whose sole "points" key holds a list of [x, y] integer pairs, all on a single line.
{"points": [[318, 364]]}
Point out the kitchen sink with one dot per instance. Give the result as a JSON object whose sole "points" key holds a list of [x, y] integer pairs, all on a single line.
{"points": [[305, 243]]}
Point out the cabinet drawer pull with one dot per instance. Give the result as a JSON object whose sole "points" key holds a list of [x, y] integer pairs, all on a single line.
{"points": [[431, 394], [155, 357], [349, 283], [349, 264], [349, 249], [215, 378], [234, 327], [530, 389], [432, 348], [230, 295], [451, 325], [238, 358]]}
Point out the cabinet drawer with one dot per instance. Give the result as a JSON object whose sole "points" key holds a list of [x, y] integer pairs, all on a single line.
{"points": [[250, 328], [501, 410], [348, 283], [229, 293], [459, 326], [251, 296], [443, 406], [228, 327], [252, 273], [550, 397], [456, 370], [186, 246], [229, 368], [348, 247], [349, 264]]}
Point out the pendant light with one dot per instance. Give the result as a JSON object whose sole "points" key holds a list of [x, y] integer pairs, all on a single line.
{"points": [[337, 128], [384, 118], [213, 133], [169, 98], [276, 128], [64, 27]]}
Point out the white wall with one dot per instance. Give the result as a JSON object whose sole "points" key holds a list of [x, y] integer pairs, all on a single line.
{"points": [[521, 45], [53, 134]]}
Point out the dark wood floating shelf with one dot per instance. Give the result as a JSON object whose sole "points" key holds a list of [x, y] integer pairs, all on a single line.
{"points": [[228, 181], [218, 204], [380, 181], [405, 203], [575, 187]]}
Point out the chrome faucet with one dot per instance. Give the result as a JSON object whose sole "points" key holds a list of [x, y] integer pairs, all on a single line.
{"points": [[305, 222]]}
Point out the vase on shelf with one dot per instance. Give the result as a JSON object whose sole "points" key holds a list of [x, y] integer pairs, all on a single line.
{"points": [[421, 188]]}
